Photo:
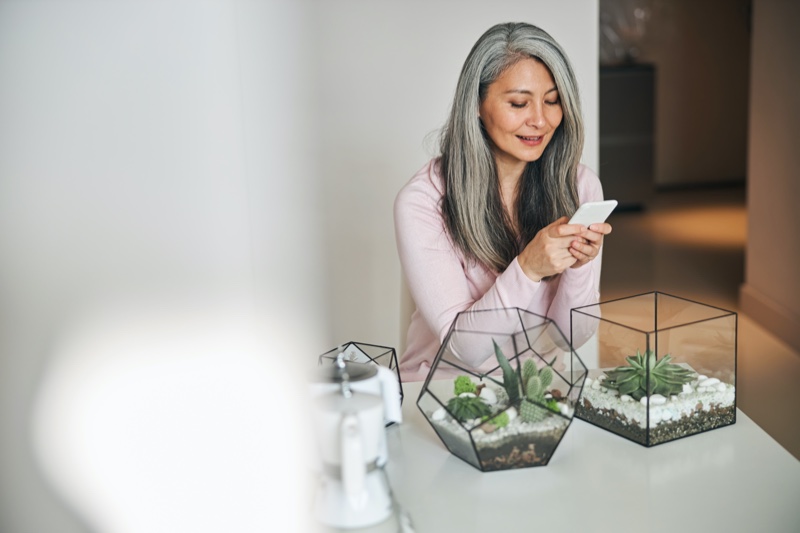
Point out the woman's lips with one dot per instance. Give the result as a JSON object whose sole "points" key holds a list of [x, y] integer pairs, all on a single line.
{"points": [[530, 141]]}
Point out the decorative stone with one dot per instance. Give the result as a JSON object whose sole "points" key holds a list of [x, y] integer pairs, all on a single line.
{"points": [[625, 398], [489, 396], [657, 399], [467, 395], [439, 414]]}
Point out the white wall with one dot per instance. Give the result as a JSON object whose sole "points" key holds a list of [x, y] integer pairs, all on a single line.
{"points": [[150, 161], [771, 292], [387, 75]]}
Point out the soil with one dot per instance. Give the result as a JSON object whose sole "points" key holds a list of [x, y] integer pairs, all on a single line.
{"points": [[699, 421], [518, 453]]}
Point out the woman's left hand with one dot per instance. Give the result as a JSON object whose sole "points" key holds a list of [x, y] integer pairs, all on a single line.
{"points": [[587, 244]]}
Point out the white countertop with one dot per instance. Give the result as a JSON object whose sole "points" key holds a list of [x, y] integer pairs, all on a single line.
{"points": [[735, 478]]}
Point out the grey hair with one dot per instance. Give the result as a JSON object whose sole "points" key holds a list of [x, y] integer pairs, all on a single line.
{"points": [[472, 206]]}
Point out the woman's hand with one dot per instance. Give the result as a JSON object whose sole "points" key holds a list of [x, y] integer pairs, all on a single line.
{"points": [[587, 245], [550, 251]]}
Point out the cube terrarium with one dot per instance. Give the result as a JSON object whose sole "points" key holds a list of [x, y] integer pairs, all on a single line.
{"points": [[661, 367], [502, 390], [362, 352]]}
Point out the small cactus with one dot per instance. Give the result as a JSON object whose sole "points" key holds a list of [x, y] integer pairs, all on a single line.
{"points": [[529, 392]]}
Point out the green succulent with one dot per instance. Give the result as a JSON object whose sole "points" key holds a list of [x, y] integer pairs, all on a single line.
{"points": [[500, 421], [464, 408], [463, 384], [529, 392], [665, 378]]}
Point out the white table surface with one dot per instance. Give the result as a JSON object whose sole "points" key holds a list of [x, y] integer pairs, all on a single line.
{"points": [[735, 478]]}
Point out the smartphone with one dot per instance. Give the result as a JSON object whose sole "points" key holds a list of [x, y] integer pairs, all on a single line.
{"points": [[593, 212]]}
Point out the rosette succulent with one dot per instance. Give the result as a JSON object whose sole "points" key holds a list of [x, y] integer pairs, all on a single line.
{"points": [[466, 405], [665, 378]]}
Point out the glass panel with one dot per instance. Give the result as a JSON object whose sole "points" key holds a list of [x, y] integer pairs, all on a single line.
{"points": [[656, 386]]}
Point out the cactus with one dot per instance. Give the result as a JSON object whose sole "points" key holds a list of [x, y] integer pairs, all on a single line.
{"points": [[663, 378], [529, 392]]}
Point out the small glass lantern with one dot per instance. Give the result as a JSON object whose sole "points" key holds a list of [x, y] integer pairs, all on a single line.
{"points": [[361, 352], [661, 367], [502, 390]]}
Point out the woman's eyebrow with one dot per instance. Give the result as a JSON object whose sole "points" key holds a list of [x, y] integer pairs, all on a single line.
{"points": [[526, 91]]}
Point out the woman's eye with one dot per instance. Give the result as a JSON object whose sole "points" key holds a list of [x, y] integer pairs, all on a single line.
{"points": [[553, 102], [518, 105]]}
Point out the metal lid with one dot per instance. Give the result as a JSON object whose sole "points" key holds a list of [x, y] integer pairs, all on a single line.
{"points": [[335, 373]]}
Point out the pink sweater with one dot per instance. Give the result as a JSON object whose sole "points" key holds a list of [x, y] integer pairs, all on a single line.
{"points": [[442, 284]]}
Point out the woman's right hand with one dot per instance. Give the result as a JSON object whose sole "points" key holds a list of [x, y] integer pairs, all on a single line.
{"points": [[548, 253]]}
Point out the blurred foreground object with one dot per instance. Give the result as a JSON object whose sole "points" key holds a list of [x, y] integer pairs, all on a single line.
{"points": [[156, 420]]}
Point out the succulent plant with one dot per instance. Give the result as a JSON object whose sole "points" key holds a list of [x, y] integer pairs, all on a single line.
{"points": [[529, 392], [463, 384], [467, 407], [665, 378], [498, 421]]}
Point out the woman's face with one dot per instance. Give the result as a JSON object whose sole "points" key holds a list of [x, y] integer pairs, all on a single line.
{"points": [[520, 113]]}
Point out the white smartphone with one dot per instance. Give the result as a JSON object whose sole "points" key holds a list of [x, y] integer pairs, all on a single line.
{"points": [[593, 212]]}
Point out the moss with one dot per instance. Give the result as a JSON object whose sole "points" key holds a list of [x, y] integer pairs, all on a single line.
{"points": [[463, 384]]}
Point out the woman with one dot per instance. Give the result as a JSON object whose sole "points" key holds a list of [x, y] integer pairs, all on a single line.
{"points": [[484, 225]]}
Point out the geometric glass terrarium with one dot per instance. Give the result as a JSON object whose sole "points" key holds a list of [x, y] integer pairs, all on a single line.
{"points": [[661, 367], [361, 352], [502, 390]]}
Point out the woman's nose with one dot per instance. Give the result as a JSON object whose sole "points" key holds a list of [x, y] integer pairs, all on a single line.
{"points": [[536, 117]]}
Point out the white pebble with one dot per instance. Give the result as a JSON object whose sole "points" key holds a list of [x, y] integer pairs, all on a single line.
{"points": [[687, 388], [489, 396], [467, 395], [666, 414], [625, 398], [701, 377], [588, 382], [512, 413], [439, 414], [548, 396], [657, 399], [655, 416], [596, 385], [673, 398], [564, 408], [720, 387], [643, 401], [710, 382]]}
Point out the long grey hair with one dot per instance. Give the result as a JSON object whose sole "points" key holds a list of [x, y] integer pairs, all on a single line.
{"points": [[472, 205]]}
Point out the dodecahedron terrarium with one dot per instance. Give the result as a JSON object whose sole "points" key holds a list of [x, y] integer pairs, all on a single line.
{"points": [[502, 390], [661, 367], [362, 352]]}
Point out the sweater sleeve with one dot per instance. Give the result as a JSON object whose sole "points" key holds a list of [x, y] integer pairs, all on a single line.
{"points": [[435, 270], [579, 286]]}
